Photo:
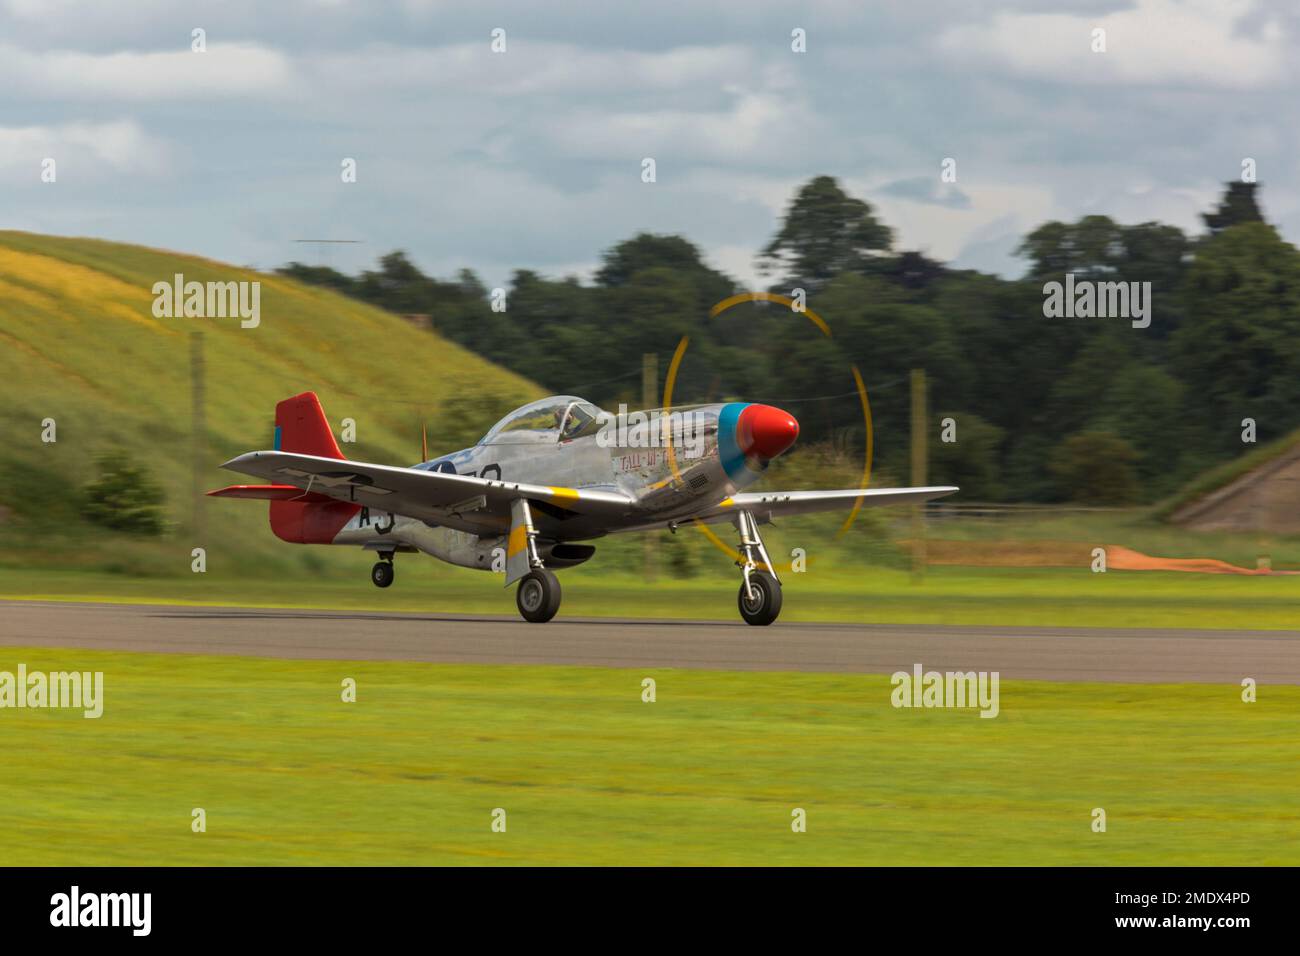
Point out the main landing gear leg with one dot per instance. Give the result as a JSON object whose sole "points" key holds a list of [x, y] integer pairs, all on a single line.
{"points": [[538, 594], [760, 591], [382, 573]]}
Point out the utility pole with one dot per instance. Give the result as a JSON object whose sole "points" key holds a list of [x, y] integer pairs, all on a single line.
{"points": [[649, 389], [920, 435], [198, 434]]}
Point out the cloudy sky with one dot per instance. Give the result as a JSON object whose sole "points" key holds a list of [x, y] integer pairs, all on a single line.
{"points": [[532, 158]]}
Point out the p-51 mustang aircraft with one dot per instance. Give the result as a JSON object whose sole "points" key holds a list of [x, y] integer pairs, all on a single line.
{"points": [[545, 480]]}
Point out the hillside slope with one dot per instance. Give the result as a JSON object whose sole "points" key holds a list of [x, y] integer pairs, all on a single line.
{"points": [[79, 344], [1255, 491]]}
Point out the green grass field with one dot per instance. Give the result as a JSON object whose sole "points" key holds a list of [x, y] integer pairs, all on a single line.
{"points": [[994, 596], [588, 773]]}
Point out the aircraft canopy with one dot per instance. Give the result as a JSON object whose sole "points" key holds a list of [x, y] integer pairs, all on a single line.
{"points": [[543, 420]]}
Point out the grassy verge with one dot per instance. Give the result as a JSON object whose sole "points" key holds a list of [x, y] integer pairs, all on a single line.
{"points": [[993, 596], [588, 773]]}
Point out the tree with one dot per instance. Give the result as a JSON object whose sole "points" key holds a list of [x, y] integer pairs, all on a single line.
{"points": [[1097, 247], [972, 461], [124, 497], [1144, 405], [1096, 468], [909, 269], [1236, 207], [1080, 388], [399, 284], [1236, 352], [1092, 247], [560, 340], [320, 275], [647, 251], [825, 232]]}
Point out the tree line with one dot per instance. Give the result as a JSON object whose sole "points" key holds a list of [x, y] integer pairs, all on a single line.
{"points": [[1045, 409]]}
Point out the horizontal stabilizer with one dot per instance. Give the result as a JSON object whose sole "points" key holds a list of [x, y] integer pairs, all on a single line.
{"points": [[269, 493]]}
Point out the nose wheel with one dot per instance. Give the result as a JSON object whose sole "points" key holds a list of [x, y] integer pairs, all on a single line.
{"points": [[759, 599]]}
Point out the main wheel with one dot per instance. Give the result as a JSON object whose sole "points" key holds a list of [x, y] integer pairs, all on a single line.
{"points": [[765, 605], [382, 574], [538, 596]]}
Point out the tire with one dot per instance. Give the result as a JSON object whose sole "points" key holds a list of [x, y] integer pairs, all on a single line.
{"points": [[765, 607], [382, 574], [538, 596]]}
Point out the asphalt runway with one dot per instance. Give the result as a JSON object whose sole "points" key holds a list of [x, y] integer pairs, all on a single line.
{"points": [[1040, 653]]}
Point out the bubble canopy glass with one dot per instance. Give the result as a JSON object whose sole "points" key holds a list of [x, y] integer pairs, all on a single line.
{"points": [[542, 420]]}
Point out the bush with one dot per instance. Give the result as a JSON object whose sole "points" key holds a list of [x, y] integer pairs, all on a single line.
{"points": [[124, 497], [972, 461], [678, 554], [1096, 468]]}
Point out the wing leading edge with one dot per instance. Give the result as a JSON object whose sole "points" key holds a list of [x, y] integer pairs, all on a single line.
{"points": [[767, 505]]}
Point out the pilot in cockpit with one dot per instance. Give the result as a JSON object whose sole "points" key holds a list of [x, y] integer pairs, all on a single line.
{"points": [[577, 421]]}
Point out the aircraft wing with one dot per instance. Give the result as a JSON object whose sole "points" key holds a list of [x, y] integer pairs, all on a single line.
{"points": [[466, 502], [767, 505]]}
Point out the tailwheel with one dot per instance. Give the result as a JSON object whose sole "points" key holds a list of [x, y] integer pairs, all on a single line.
{"points": [[538, 595], [382, 574], [760, 599]]}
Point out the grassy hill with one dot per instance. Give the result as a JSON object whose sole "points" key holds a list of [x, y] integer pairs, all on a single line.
{"points": [[79, 344]]}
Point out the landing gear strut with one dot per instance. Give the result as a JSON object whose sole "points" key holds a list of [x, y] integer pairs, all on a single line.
{"points": [[382, 573], [538, 594], [759, 599]]}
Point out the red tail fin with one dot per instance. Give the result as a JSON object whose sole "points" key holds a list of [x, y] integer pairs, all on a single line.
{"points": [[300, 427]]}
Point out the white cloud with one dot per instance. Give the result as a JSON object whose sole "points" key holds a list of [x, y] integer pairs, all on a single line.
{"points": [[86, 149], [1196, 43], [941, 232], [756, 123], [226, 69], [532, 158], [772, 193], [739, 262], [531, 68]]}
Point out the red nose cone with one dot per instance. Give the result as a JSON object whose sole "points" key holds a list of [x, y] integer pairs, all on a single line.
{"points": [[765, 431]]}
